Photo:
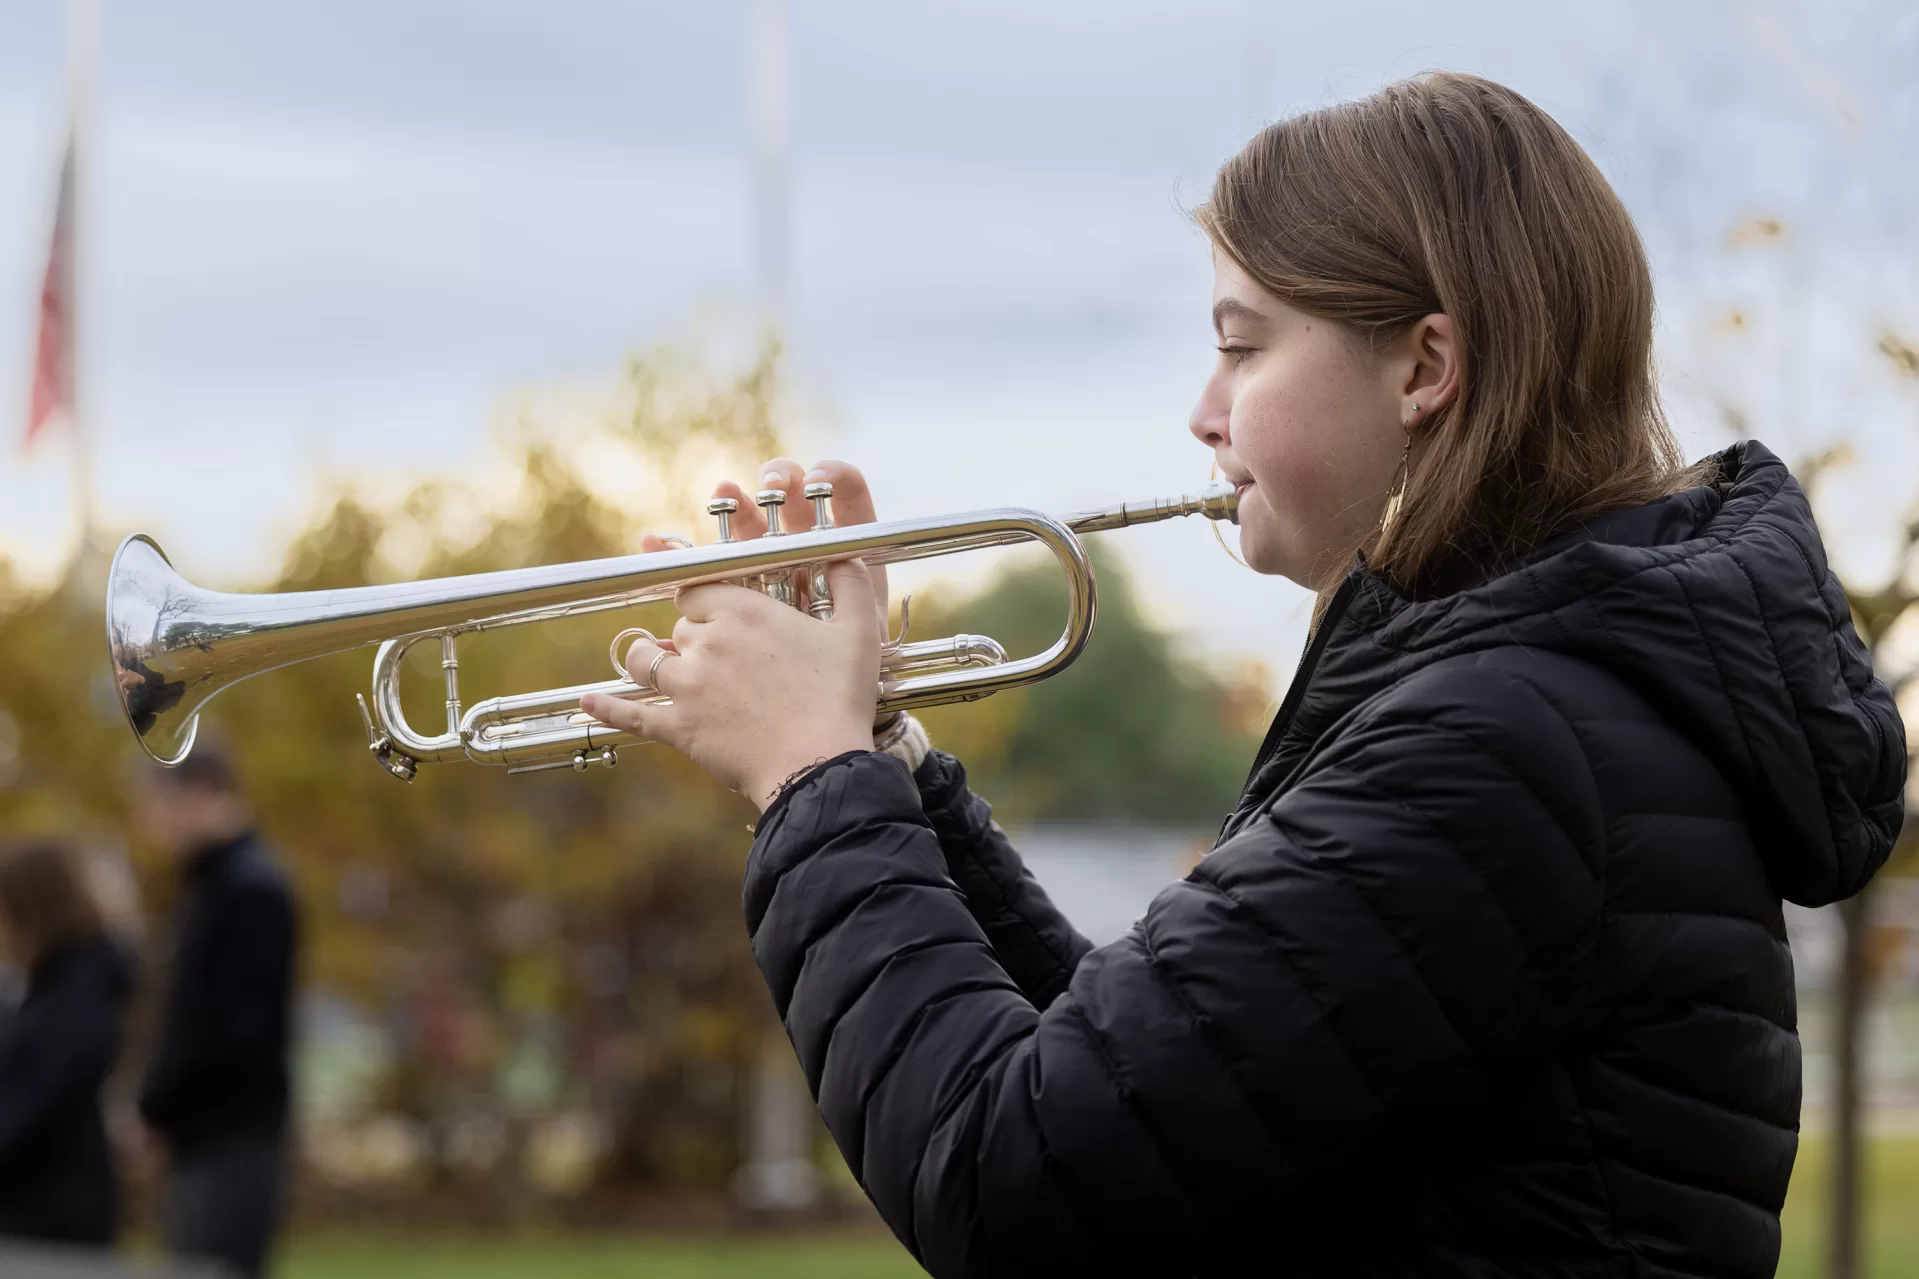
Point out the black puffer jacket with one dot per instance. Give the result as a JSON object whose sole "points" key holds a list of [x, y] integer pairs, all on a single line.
{"points": [[1486, 976]]}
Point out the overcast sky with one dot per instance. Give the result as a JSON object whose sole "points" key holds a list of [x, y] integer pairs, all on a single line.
{"points": [[343, 238]]}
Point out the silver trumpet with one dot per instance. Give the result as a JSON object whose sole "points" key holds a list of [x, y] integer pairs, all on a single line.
{"points": [[175, 646]]}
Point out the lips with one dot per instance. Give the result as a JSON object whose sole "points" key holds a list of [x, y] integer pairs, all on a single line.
{"points": [[1240, 483]]}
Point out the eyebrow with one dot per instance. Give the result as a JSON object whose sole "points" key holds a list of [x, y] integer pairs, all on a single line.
{"points": [[1232, 308]]}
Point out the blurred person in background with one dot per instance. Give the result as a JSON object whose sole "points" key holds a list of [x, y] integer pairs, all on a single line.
{"points": [[1487, 972], [57, 1182], [216, 1094]]}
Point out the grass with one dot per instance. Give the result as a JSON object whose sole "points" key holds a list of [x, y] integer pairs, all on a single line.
{"points": [[1892, 1247], [851, 1256], [1892, 1211]]}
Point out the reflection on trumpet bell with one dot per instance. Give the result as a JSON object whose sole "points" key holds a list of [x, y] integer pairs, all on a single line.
{"points": [[174, 646]]}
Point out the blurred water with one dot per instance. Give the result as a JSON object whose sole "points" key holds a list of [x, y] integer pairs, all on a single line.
{"points": [[1102, 877], [1891, 1041]]}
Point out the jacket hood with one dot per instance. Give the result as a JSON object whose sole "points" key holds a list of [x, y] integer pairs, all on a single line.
{"points": [[1716, 604]]}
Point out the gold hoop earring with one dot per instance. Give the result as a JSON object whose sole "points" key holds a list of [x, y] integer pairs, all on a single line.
{"points": [[1396, 495]]}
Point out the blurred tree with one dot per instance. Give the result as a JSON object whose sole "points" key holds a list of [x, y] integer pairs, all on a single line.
{"points": [[1133, 730], [553, 943], [550, 944], [557, 947], [58, 717], [1879, 613]]}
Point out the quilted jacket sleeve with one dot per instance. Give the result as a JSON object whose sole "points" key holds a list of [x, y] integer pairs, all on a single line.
{"points": [[1352, 975], [1034, 942]]}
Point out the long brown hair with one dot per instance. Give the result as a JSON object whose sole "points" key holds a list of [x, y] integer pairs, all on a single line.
{"points": [[1449, 193], [44, 899]]}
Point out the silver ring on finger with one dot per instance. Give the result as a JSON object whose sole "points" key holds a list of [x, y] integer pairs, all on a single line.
{"points": [[653, 670]]}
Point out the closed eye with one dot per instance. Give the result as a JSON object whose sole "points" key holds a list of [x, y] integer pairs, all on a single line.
{"points": [[1237, 354]]}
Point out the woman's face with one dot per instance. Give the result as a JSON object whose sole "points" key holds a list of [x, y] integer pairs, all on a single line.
{"points": [[1308, 423]]}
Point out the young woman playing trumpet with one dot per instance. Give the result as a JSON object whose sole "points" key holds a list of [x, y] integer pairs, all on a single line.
{"points": [[1486, 974]]}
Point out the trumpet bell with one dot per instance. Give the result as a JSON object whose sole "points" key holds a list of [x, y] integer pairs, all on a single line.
{"points": [[150, 635], [174, 646]]}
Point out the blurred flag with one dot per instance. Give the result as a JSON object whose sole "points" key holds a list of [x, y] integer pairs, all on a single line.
{"points": [[53, 352]]}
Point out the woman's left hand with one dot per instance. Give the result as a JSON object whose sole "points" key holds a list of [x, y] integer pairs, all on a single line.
{"points": [[760, 690]]}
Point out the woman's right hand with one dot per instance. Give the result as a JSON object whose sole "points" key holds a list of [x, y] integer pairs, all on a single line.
{"points": [[852, 503], [757, 689]]}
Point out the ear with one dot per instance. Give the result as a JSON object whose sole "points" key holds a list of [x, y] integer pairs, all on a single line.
{"points": [[1432, 367]]}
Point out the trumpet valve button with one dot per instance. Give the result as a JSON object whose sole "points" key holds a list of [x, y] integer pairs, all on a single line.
{"points": [[722, 509], [770, 501], [819, 493]]}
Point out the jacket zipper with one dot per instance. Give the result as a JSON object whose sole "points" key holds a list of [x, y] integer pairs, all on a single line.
{"points": [[1296, 690]]}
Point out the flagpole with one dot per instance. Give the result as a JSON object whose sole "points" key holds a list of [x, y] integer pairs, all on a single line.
{"points": [[777, 1172], [767, 109], [83, 42]]}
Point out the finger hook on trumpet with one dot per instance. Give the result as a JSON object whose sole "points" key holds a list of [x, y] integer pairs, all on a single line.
{"points": [[617, 650]]}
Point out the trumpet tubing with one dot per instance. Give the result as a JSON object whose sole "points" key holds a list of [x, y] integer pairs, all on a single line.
{"points": [[174, 646]]}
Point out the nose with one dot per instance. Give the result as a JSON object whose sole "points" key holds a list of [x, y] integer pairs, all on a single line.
{"points": [[1211, 422]]}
